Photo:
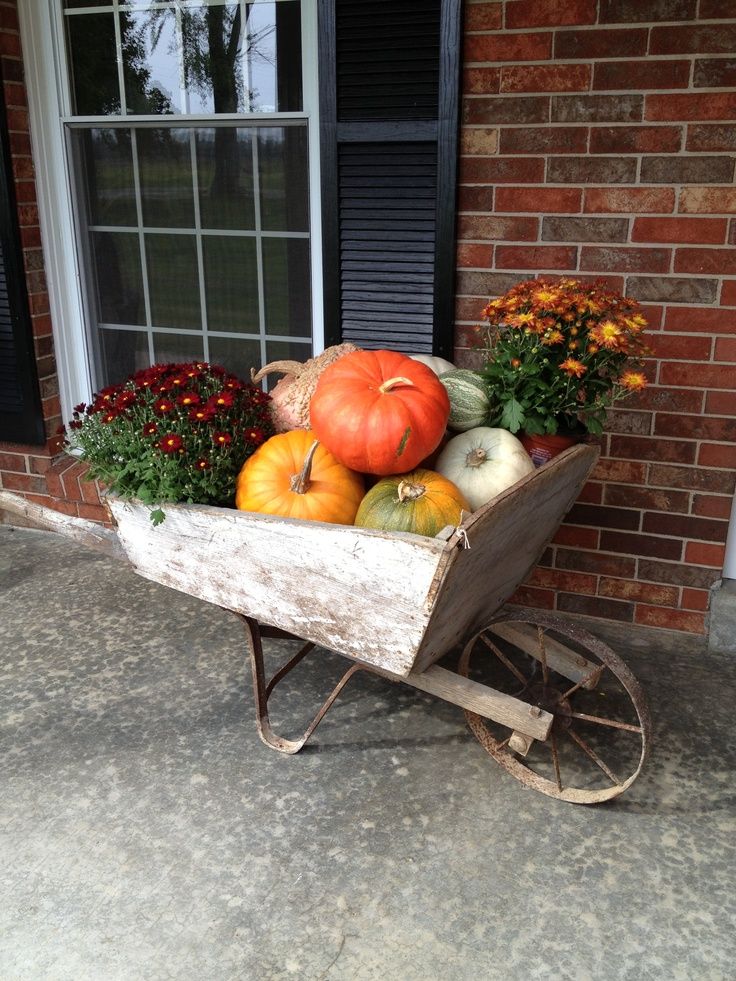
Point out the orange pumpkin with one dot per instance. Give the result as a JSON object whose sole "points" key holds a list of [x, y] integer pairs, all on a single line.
{"points": [[422, 502], [293, 476], [379, 411]]}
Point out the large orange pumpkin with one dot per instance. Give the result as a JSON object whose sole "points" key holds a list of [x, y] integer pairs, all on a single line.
{"points": [[422, 502], [379, 411], [293, 476]]}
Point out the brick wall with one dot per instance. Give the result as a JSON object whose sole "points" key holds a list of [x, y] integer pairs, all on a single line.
{"points": [[35, 471], [599, 138]]}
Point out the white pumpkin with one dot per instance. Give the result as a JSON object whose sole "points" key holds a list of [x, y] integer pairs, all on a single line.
{"points": [[438, 365], [483, 462]]}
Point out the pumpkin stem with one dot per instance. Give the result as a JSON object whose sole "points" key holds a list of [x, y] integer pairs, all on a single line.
{"points": [[391, 382], [300, 481], [476, 457], [285, 367], [408, 491]]}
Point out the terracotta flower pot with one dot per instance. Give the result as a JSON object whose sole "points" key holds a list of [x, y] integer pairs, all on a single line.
{"points": [[541, 448]]}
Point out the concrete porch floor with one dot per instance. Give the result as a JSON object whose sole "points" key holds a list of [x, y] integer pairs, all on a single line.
{"points": [[146, 833]]}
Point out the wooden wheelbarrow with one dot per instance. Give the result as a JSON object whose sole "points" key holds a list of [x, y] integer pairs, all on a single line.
{"points": [[555, 706]]}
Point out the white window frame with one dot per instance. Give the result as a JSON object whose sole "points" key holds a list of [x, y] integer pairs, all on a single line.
{"points": [[44, 60]]}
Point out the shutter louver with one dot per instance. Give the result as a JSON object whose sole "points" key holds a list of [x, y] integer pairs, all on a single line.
{"points": [[389, 120]]}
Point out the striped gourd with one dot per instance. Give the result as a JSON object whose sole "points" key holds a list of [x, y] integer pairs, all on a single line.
{"points": [[469, 399]]}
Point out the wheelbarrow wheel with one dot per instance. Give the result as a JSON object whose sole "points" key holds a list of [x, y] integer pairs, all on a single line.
{"points": [[601, 730]]}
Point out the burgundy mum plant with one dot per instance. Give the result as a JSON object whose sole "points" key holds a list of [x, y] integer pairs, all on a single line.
{"points": [[172, 432]]}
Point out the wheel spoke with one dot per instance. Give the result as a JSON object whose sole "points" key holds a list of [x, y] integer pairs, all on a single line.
{"points": [[593, 756], [505, 661], [594, 676], [543, 656], [599, 720], [556, 761]]}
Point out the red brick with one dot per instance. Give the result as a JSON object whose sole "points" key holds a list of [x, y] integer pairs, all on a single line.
{"points": [[720, 403], [501, 170], [687, 230], [620, 471], [708, 200], [481, 81], [93, 513], [517, 109], [595, 606], [549, 13], [498, 228], [12, 68], [715, 428], [478, 141], [692, 478], [30, 237], [631, 11], [536, 257], [728, 294], [712, 506], [591, 170], [697, 375], [9, 18], [507, 47], [700, 553], [475, 199], [685, 526], [467, 308], [601, 43], [41, 325], [647, 545], [624, 421], [538, 199], [577, 537], [70, 481], [657, 616], [544, 139], [717, 455], [707, 320], [573, 582], [676, 574], [695, 599], [695, 106], [540, 599], [10, 44], [691, 38], [726, 350], [597, 108], [600, 516], [638, 75], [39, 464], [715, 9], [485, 284], [483, 16], [686, 170], [649, 448], [474, 256], [64, 507], [639, 592], [22, 482], [634, 200], [676, 348], [649, 498], [591, 493], [625, 259], [545, 78], [671, 289], [711, 137], [708, 261], [635, 139], [715, 73], [598, 563], [660, 399], [585, 229]]}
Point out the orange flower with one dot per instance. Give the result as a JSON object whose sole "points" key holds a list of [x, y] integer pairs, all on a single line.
{"points": [[573, 367], [633, 380], [610, 335], [552, 337], [545, 297]]}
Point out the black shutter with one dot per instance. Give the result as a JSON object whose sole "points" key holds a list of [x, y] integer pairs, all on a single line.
{"points": [[389, 115], [21, 419]]}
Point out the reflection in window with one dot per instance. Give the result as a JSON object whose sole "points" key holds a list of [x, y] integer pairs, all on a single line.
{"points": [[150, 56], [117, 264], [93, 64], [106, 156], [225, 177]]}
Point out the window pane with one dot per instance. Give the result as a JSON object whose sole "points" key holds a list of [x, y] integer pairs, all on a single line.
{"points": [[150, 61], [237, 355], [117, 261], [286, 351], [173, 279], [213, 58], [121, 353], [282, 164], [225, 176], [177, 347], [93, 64], [231, 283], [274, 57], [108, 165], [286, 286], [165, 162]]}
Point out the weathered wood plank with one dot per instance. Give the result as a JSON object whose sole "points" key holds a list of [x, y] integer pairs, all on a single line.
{"points": [[360, 592], [84, 532], [507, 538], [562, 659]]}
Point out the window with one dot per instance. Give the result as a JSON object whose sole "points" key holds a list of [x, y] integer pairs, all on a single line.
{"points": [[188, 149]]}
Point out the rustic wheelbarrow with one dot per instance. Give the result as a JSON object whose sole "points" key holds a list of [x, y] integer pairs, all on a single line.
{"points": [[552, 696]]}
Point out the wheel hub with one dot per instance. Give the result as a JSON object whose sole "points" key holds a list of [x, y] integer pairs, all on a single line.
{"points": [[549, 698]]}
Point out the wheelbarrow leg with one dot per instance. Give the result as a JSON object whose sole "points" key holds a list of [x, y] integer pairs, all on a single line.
{"points": [[262, 690]]}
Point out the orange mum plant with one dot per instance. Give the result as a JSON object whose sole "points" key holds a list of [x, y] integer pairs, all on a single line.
{"points": [[558, 353]]}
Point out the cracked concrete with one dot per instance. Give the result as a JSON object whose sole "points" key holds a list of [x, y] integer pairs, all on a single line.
{"points": [[146, 833]]}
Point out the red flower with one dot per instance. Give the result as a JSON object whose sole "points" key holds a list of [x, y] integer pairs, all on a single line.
{"points": [[221, 400], [150, 429], [163, 405], [203, 413], [254, 435], [222, 439], [203, 463], [75, 424], [109, 416], [233, 384], [188, 398], [80, 408], [171, 443]]}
